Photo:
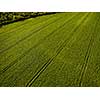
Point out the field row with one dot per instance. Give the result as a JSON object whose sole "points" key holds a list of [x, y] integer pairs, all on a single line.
{"points": [[53, 50]]}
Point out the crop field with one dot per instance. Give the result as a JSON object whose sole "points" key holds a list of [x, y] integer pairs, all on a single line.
{"points": [[57, 50]]}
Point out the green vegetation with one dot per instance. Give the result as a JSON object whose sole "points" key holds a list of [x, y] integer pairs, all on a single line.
{"points": [[60, 49], [10, 17]]}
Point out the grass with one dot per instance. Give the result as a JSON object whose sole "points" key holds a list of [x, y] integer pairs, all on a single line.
{"points": [[53, 50]]}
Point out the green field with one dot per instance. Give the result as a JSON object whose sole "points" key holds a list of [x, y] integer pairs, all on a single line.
{"points": [[61, 49]]}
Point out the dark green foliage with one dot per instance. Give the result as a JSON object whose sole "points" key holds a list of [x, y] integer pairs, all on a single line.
{"points": [[9, 17]]}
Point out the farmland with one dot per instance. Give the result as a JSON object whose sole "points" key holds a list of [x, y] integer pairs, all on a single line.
{"points": [[61, 49]]}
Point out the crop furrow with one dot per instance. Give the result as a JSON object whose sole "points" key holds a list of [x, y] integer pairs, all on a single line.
{"points": [[25, 53], [87, 55], [24, 23], [85, 61], [58, 52], [28, 36], [20, 28], [25, 28]]}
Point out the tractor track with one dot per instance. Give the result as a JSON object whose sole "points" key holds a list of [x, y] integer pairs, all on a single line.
{"points": [[28, 36], [20, 27], [33, 32], [22, 24], [44, 67], [86, 58], [25, 53], [33, 24]]}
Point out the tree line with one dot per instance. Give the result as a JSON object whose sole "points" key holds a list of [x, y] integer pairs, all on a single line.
{"points": [[10, 17]]}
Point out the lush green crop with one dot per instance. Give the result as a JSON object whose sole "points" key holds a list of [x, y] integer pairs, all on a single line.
{"points": [[53, 50]]}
